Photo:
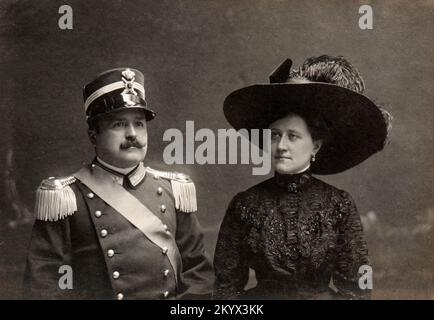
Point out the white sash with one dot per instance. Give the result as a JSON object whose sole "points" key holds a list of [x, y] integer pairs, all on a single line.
{"points": [[131, 209]]}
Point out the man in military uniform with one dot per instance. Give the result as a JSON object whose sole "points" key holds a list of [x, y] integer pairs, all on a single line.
{"points": [[127, 231]]}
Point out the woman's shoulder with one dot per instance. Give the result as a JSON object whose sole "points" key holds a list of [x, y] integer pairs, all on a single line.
{"points": [[318, 183], [257, 189], [315, 186], [336, 193], [251, 194]]}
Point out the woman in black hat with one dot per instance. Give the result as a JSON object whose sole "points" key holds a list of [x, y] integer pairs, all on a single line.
{"points": [[299, 234]]}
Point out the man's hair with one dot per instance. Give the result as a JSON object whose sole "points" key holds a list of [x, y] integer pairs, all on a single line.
{"points": [[97, 123], [94, 124]]}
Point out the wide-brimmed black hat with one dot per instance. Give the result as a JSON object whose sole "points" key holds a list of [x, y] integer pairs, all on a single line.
{"points": [[326, 88]]}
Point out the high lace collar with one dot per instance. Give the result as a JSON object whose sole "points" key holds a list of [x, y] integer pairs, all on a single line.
{"points": [[292, 182]]}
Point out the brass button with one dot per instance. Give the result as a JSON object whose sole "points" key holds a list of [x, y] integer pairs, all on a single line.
{"points": [[160, 191], [166, 272], [110, 253], [103, 233], [166, 228], [116, 275], [90, 195], [165, 294], [156, 177], [164, 251], [98, 213], [93, 166], [120, 296], [163, 208]]}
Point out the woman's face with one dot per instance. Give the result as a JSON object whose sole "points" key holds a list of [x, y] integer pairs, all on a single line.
{"points": [[292, 146]]}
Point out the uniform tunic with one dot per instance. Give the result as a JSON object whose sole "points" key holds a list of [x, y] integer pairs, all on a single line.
{"points": [[297, 233], [110, 257]]}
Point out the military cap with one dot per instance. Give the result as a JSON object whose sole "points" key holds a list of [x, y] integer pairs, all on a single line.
{"points": [[115, 90]]}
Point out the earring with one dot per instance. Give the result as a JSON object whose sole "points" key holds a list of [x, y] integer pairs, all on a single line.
{"points": [[313, 158]]}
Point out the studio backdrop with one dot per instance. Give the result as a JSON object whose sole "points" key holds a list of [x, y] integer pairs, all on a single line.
{"points": [[193, 54]]}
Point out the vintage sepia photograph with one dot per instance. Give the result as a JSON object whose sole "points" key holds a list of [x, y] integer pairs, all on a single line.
{"points": [[217, 150]]}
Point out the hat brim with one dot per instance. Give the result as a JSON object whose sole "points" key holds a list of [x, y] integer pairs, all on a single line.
{"points": [[114, 103], [357, 126]]}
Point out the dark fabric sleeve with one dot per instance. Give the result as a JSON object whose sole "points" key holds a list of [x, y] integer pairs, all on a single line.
{"points": [[352, 252], [49, 249], [231, 269], [197, 276]]}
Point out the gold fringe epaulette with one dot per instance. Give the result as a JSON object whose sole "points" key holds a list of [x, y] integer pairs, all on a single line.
{"points": [[183, 189], [55, 200]]}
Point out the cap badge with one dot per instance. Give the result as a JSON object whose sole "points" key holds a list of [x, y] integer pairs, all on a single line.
{"points": [[128, 78]]}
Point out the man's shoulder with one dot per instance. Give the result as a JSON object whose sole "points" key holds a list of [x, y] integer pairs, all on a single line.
{"points": [[182, 186], [55, 198], [169, 175], [57, 183]]}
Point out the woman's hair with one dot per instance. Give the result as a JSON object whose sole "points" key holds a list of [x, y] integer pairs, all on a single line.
{"points": [[339, 71], [336, 70], [317, 126]]}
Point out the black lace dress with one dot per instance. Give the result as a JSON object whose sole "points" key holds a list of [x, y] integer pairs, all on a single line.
{"points": [[299, 234]]}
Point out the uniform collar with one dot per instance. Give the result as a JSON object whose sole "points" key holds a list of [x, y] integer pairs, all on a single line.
{"points": [[133, 177], [121, 171], [293, 182]]}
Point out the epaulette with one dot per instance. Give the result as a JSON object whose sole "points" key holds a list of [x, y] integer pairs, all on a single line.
{"points": [[55, 199], [183, 189]]}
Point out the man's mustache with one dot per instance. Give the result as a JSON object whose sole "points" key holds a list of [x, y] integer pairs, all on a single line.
{"points": [[134, 144]]}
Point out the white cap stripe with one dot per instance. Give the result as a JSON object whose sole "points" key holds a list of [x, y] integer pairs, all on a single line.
{"points": [[109, 88]]}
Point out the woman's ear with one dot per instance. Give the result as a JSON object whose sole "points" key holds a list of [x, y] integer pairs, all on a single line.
{"points": [[317, 144]]}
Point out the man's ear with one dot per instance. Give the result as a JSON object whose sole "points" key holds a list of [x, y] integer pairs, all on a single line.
{"points": [[92, 135]]}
